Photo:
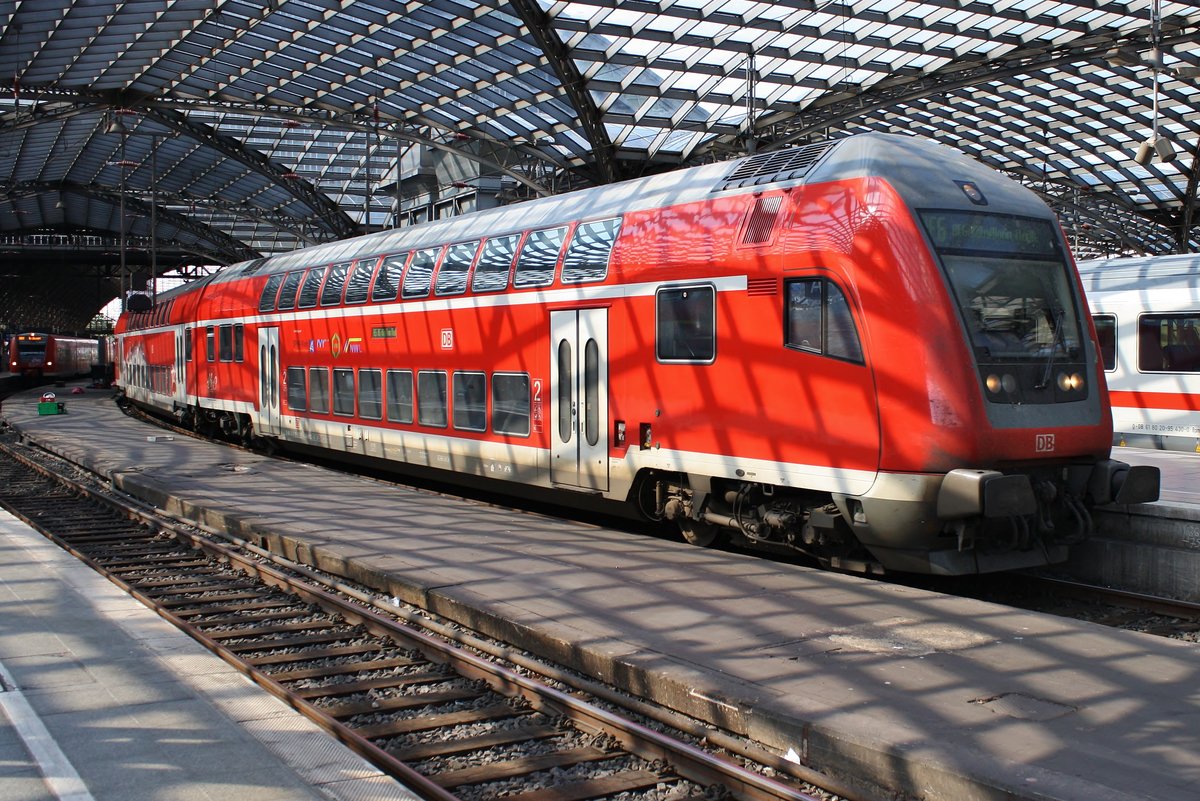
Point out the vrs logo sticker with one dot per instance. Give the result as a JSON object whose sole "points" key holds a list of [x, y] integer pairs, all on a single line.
{"points": [[1044, 443]]}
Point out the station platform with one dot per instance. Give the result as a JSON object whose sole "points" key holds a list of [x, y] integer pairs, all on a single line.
{"points": [[102, 700], [945, 698]]}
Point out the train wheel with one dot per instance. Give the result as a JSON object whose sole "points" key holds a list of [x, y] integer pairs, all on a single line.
{"points": [[698, 532]]}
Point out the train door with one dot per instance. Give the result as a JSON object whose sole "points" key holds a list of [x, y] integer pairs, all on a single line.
{"points": [[579, 398], [267, 421], [181, 343]]}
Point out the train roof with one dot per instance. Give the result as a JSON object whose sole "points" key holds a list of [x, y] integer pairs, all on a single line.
{"points": [[907, 162], [1178, 271]]}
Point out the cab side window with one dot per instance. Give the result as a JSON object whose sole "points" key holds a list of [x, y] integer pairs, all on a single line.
{"points": [[818, 320], [1106, 333]]}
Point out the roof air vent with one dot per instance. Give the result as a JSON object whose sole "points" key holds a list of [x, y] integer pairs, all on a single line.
{"points": [[779, 165], [760, 227]]}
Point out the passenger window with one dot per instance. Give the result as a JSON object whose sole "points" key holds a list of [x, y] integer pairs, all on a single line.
{"points": [[297, 389], [491, 272], [331, 293], [431, 398], [210, 343], [452, 275], [470, 401], [312, 285], [343, 392], [266, 301], [318, 390], [539, 256], [387, 282], [686, 325], [399, 396], [370, 394], [226, 334], [818, 320], [587, 255], [1169, 343], [510, 404], [359, 285], [287, 294], [1106, 333], [239, 342], [420, 273]]}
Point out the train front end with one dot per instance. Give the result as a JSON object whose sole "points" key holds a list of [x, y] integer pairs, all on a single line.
{"points": [[996, 458]]}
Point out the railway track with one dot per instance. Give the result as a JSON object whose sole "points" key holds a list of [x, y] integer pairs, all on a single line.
{"points": [[1151, 614], [437, 715]]}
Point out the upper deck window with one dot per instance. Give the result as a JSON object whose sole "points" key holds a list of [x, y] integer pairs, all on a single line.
{"points": [[587, 255], [452, 275], [387, 282], [491, 271], [358, 287], [539, 257], [267, 301], [419, 275], [287, 294], [331, 293], [312, 285]]}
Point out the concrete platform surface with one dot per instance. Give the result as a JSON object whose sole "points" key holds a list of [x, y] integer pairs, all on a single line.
{"points": [[102, 700], [944, 697]]}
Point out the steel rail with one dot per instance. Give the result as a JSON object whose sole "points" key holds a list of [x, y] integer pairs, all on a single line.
{"points": [[688, 761]]}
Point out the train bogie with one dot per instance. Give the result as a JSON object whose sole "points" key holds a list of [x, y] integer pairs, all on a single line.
{"points": [[871, 350]]}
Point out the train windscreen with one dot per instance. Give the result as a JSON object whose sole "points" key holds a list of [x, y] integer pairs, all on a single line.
{"points": [[1011, 282]]}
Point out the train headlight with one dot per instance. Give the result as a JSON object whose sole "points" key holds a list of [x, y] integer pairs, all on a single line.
{"points": [[996, 383], [1070, 383]]}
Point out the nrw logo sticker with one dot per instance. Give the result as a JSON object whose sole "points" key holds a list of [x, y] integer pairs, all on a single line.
{"points": [[1044, 443]]}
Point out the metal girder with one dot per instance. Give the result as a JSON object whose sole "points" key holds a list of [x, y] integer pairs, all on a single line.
{"points": [[338, 222], [842, 107], [225, 247], [555, 51]]}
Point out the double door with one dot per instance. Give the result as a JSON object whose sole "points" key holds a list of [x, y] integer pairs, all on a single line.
{"points": [[579, 398]]}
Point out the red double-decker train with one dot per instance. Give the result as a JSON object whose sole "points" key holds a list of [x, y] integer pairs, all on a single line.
{"points": [[873, 350], [51, 355]]}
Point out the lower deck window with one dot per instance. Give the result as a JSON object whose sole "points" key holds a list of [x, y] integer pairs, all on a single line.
{"points": [[399, 396], [431, 398], [470, 401], [318, 390], [370, 394], [297, 389], [343, 392], [510, 404]]}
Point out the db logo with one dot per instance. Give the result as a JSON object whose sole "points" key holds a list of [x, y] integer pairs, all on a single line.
{"points": [[1044, 443]]}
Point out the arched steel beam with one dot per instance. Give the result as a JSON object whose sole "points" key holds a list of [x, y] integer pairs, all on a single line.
{"points": [[780, 127], [224, 246], [590, 118], [338, 222]]}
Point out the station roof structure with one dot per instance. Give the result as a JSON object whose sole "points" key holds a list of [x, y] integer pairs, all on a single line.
{"points": [[173, 134]]}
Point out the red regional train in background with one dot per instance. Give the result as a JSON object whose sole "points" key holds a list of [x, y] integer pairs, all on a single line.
{"points": [[873, 350], [51, 355], [1147, 316]]}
